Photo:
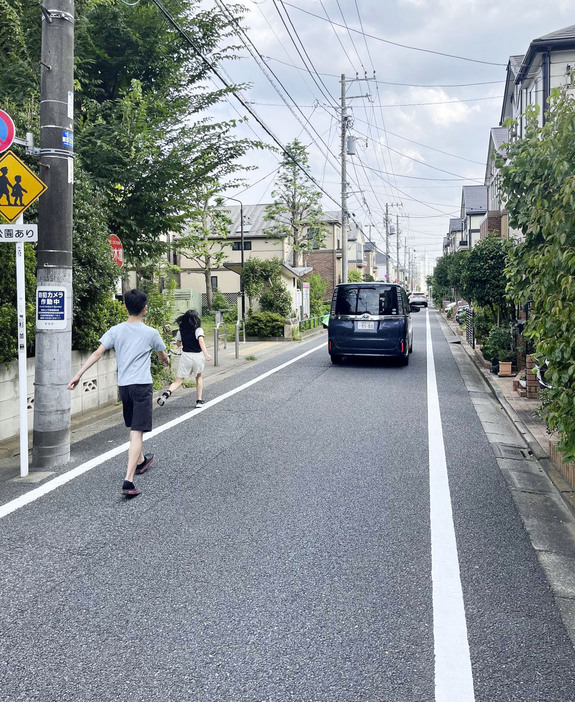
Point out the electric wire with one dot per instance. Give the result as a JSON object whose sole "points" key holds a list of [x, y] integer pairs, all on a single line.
{"points": [[236, 94], [394, 43]]}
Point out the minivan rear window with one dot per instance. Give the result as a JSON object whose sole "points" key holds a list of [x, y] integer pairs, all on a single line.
{"points": [[366, 300]]}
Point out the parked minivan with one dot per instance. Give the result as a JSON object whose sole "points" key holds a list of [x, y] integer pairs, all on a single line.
{"points": [[370, 319]]}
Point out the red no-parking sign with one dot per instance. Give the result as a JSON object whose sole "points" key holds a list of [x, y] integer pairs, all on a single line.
{"points": [[7, 131], [117, 249]]}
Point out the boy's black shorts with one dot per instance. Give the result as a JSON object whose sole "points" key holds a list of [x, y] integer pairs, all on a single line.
{"points": [[137, 406]]}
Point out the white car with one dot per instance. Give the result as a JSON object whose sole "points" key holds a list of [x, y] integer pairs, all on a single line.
{"points": [[418, 298]]}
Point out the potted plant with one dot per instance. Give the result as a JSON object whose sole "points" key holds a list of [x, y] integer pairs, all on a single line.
{"points": [[498, 348]]}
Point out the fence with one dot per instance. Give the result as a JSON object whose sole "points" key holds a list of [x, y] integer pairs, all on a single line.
{"points": [[311, 323], [470, 327]]}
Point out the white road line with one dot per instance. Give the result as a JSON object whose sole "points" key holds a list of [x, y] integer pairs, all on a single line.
{"points": [[51, 485], [453, 674]]}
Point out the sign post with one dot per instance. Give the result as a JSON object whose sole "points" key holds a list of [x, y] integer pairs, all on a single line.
{"points": [[19, 188], [18, 234]]}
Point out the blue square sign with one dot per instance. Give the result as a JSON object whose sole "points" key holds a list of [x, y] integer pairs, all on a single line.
{"points": [[51, 307]]}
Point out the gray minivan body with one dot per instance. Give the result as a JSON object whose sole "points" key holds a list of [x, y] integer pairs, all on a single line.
{"points": [[370, 319]]}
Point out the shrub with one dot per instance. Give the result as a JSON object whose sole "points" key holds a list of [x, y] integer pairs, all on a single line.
{"points": [[278, 300], [499, 344], [219, 302], [88, 329], [265, 324]]}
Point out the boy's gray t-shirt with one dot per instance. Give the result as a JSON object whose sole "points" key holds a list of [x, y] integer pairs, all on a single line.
{"points": [[133, 342]]}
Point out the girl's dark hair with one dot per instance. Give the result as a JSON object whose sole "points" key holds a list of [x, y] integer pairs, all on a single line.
{"points": [[190, 319]]}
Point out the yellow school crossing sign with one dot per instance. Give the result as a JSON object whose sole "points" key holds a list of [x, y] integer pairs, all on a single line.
{"points": [[19, 187]]}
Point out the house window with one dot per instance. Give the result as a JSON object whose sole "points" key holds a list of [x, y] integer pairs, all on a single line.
{"points": [[237, 246], [214, 283]]}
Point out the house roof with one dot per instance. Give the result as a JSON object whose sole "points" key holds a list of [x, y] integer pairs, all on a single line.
{"points": [[455, 225], [369, 246], [554, 41], [473, 199], [254, 223], [500, 136], [565, 33]]}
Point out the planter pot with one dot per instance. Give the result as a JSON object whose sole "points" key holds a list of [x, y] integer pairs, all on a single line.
{"points": [[505, 369]]}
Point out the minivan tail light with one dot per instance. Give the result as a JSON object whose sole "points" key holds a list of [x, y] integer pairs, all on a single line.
{"points": [[402, 347]]}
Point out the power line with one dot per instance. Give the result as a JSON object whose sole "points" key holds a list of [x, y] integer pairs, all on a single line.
{"points": [[238, 97], [394, 43]]}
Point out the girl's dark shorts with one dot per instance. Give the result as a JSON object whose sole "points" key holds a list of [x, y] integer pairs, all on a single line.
{"points": [[137, 406]]}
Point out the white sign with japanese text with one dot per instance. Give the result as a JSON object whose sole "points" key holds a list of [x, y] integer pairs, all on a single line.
{"points": [[14, 233]]}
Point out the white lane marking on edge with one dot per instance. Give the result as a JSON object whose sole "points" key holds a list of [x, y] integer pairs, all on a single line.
{"points": [[38, 492], [453, 674]]}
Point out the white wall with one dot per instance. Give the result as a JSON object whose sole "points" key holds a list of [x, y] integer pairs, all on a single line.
{"points": [[98, 387]]}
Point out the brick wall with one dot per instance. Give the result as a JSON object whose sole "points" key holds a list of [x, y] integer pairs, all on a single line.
{"points": [[323, 263], [492, 223]]}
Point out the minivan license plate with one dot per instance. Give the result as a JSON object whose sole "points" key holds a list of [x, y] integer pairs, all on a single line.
{"points": [[366, 325]]}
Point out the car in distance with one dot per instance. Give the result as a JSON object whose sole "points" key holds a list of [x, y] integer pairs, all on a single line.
{"points": [[370, 319], [418, 298]]}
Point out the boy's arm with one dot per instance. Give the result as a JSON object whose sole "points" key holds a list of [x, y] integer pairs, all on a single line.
{"points": [[164, 358], [94, 358], [204, 348]]}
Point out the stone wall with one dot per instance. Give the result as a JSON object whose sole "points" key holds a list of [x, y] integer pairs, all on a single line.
{"points": [[97, 388]]}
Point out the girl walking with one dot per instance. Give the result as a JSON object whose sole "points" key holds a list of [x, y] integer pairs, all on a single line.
{"points": [[194, 354]]}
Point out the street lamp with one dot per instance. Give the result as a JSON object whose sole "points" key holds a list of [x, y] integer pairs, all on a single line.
{"points": [[241, 253]]}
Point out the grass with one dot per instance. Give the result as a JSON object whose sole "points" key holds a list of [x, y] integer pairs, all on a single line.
{"points": [[251, 358]]}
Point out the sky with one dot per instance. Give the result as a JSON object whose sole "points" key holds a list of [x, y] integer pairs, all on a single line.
{"points": [[421, 122]]}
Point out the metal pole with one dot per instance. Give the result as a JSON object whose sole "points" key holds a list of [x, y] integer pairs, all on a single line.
{"points": [[242, 293], [242, 260], [343, 184], [51, 443], [22, 363], [216, 342]]}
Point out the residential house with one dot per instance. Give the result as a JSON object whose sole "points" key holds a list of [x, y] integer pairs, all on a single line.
{"points": [[326, 261], [549, 63], [453, 239], [473, 209], [496, 218], [256, 244]]}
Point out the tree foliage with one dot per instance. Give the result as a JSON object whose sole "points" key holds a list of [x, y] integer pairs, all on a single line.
{"points": [[296, 214], [483, 277], [538, 183]]}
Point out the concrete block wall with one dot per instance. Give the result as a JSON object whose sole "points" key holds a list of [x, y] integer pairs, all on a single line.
{"points": [[97, 388]]}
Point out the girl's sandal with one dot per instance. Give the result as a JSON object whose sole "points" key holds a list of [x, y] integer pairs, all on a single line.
{"points": [[163, 397]]}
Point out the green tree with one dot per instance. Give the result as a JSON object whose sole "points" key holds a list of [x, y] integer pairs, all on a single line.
{"points": [[538, 184], [354, 276], [296, 214], [317, 290], [483, 278]]}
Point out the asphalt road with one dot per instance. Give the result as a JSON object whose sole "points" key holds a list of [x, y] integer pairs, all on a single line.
{"points": [[281, 550]]}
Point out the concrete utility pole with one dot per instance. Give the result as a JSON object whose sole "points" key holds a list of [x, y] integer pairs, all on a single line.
{"points": [[51, 442], [344, 127], [397, 242], [387, 206], [343, 183]]}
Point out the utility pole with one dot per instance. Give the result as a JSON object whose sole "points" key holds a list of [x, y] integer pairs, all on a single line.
{"points": [[387, 206], [397, 242], [51, 442], [343, 182], [344, 126]]}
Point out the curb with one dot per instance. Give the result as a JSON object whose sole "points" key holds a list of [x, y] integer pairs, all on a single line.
{"points": [[534, 446]]}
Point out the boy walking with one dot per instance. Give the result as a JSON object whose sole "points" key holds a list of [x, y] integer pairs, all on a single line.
{"points": [[133, 341]]}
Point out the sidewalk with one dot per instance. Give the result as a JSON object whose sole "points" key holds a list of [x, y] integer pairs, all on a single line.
{"points": [[523, 412], [98, 420]]}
